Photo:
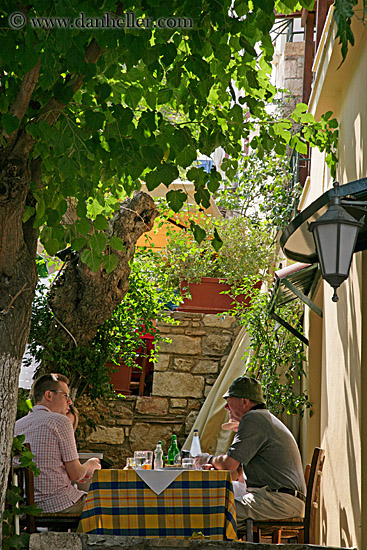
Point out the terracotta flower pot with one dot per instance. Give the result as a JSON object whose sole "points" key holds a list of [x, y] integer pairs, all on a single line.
{"points": [[124, 376], [120, 378], [206, 296]]}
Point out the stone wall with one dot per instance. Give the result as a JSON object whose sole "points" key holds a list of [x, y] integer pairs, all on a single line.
{"points": [[186, 370], [75, 541], [293, 68]]}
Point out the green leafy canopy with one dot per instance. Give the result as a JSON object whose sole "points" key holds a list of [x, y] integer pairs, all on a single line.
{"points": [[114, 107]]}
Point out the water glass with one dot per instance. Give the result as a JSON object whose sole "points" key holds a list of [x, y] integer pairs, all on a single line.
{"points": [[188, 463], [143, 460], [130, 463]]}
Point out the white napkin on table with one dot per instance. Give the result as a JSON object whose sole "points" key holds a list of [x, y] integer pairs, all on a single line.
{"points": [[158, 480]]}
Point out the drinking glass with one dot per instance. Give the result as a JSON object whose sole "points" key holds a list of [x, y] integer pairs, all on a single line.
{"points": [[143, 460], [130, 463], [188, 463]]}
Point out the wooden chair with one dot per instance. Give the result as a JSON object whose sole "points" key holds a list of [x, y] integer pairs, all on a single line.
{"points": [[53, 521], [302, 528]]}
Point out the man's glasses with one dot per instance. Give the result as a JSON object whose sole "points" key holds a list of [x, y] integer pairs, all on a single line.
{"points": [[66, 395]]}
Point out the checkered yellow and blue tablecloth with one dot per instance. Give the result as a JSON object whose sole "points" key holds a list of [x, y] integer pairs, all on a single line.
{"points": [[120, 503]]}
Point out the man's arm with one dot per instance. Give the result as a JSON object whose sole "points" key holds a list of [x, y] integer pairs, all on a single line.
{"points": [[77, 471], [221, 462], [225, 462]]}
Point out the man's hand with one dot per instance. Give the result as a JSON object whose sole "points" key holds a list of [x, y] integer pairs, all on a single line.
{"points": [[231, 425], [77, 471], [92, 464], [200, 460], [207, 467]]}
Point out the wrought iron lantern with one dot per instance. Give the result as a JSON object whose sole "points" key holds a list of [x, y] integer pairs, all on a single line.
{"points": [[335, 235]]}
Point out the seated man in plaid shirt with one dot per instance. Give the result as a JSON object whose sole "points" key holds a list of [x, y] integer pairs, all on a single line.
{"points": [[51, 437]]}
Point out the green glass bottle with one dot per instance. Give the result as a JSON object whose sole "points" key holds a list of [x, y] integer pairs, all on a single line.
{"points": [[173, 452]]}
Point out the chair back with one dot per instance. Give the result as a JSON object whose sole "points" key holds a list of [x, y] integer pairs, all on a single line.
{"points": [[312, 497]]}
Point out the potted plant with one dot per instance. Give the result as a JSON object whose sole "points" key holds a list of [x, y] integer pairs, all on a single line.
{"points": [[216, 261]]}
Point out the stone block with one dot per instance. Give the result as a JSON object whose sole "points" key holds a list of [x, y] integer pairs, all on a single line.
{"points": [[102, 434], [183, 323], [122, 407], [120, 422], [55, 541], [123, 413], [193, 404], [177, 330], [190, 420], [216, 344], [177, 384], [146, 436], [206, 367], [294, 49], [178, 403], [163, 363], [294, 85], [128, 399], [290, 69], [186, 316], [299, 68], [181, 412], [182, 345], [152, 405], [195, 331], [183, 365], [210, 380], [224, 321]]}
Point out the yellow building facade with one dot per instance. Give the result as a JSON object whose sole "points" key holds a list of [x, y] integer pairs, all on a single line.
{"points": [[337, 353]]}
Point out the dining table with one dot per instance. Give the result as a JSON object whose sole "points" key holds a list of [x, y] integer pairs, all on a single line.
{"points": [[167, 503]]}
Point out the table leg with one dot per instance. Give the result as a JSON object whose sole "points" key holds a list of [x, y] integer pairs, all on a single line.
{"points": [[250, 530]]}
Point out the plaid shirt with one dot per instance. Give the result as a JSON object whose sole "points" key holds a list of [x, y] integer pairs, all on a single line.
{"points": [[52, 442]]}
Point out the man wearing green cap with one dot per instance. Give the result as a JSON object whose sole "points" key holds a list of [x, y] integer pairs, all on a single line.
{"points": [[268, 454]]}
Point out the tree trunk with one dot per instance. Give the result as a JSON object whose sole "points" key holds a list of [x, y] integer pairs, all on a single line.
{"points": [[18, 278]]}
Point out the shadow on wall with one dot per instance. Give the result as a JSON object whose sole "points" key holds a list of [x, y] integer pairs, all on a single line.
{"points": [[346, 539]]}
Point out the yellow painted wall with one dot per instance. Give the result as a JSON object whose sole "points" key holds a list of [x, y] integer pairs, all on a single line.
{"points": [[338, 354], [156, 238]]}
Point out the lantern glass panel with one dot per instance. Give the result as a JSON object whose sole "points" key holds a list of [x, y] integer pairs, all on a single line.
{"points": [[348, 235], [326, 239]]}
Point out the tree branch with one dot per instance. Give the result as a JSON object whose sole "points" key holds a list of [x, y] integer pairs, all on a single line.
{"points": [[7, 309], [22, 100], [25, 92]]}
